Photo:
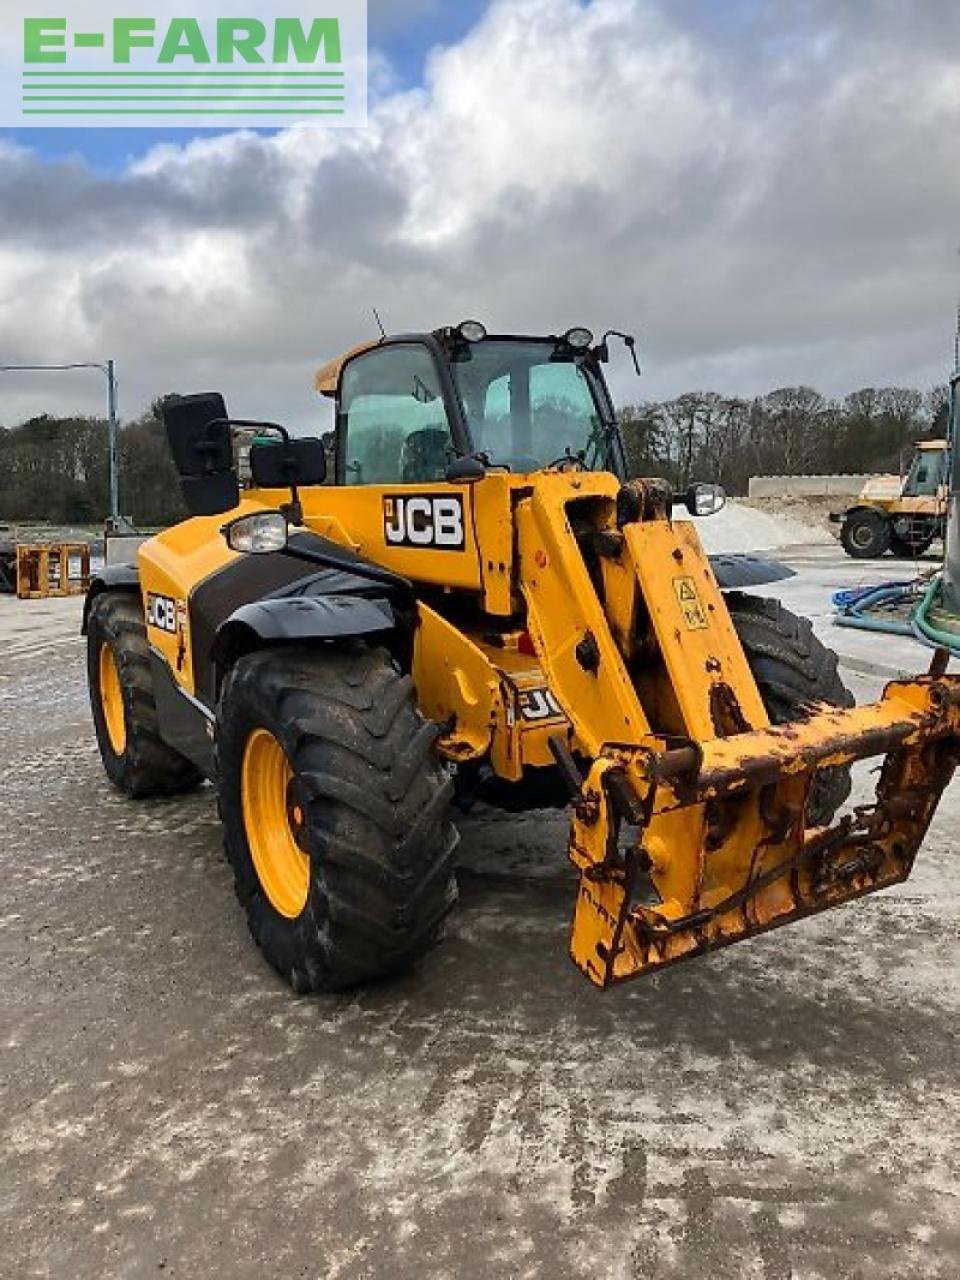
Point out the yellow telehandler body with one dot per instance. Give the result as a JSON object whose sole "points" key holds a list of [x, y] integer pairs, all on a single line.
{"points": [[461, 596]]}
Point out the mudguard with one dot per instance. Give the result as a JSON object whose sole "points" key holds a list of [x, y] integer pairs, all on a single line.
{"points": [[738, 570], [118, 577], [301, 618]]}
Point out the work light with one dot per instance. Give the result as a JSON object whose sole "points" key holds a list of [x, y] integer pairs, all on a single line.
{"points": [[579, 339], [472, 331]]}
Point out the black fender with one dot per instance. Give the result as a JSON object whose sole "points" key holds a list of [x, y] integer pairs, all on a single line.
{"points": [[740, 570], [118, 577], [300, 619]]}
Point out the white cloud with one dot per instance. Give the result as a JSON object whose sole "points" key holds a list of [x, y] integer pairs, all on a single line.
{"points": [[773, 206]]}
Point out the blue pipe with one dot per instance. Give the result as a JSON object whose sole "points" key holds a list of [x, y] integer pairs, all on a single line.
{"points": [[854, 608]]}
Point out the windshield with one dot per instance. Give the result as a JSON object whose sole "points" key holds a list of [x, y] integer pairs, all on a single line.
{"points": [[926, 474], [527, 405]]}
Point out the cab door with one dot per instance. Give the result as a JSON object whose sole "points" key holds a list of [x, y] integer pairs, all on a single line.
{"points": [[397, 419]]}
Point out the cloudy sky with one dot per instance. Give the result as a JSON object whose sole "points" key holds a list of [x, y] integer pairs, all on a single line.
{"points": [[766, 191]]}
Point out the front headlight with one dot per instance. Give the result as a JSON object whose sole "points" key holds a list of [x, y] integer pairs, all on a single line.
{"points": [[259, 534]]}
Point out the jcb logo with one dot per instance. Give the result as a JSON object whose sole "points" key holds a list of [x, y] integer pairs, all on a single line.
{"points": [[539, 704], [424, 521], [162, 613]]}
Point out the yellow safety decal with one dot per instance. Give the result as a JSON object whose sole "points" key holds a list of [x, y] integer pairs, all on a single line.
{"points": [[694, 615]]}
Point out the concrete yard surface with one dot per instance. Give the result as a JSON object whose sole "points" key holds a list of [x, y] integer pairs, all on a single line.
{"points": [[787, 1108]]}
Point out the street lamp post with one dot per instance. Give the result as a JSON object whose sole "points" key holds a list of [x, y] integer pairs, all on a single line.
{"points": [[951, 563], [110, 372]]}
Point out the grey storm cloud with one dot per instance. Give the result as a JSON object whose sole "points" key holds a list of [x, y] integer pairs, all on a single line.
{"points": [[770, 194]]}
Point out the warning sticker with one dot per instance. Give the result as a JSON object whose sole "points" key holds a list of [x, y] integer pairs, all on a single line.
{"points": [[694, 614]]}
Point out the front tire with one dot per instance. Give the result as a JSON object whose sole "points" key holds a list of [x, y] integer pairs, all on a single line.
{"points": [[865, 535], [136, 759], [336, 814], [794, 671]]}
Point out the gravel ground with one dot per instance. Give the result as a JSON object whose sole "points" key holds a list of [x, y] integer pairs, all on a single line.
{"points": [[786, 1108]]}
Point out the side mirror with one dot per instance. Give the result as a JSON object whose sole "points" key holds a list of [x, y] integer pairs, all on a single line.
{"points": [[200, 442], [258, 534], [705, 499], [465, 471]]}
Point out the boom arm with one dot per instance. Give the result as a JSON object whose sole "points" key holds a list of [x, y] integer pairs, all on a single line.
{"points": [[689, 831]]}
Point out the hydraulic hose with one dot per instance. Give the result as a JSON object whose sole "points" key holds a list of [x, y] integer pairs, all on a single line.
{"points": [[859, 607], [853, 607], [930, 633]]}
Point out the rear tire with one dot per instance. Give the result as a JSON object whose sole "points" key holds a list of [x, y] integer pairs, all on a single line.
{"points": [[346, 873], [794, 671], [911, 548], [136, 759], [865, 535]]}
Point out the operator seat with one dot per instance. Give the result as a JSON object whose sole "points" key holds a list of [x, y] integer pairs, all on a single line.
{"points": [[425, 456]]}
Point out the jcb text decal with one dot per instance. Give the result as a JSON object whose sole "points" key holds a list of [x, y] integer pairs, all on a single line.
{"points": [[162, 613], [424, 520], [539, 704]]}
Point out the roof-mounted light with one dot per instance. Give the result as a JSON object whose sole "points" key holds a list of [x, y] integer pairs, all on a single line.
{"points": [[472, 331], [579, 339]]}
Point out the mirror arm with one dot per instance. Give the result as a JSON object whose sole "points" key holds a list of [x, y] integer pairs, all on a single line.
{"points": [[293, 510], [629, 342]]}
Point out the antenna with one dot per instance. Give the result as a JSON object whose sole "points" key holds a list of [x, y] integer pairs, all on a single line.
{"points": [[383, 332]]}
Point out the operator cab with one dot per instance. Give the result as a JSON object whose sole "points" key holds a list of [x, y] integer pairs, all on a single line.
{"points": [[409, 407], [928, 471]]}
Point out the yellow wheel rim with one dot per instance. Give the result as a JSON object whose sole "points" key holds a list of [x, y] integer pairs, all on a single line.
{"points": [[270, 821], [111, 700]]}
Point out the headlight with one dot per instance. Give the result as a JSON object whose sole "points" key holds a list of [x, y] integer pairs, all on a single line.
{"points": [[259, 534], [579, 339], [472, 331]]}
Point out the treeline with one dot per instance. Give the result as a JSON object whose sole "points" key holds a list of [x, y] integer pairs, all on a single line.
{"points": [[703, 435], [56, 468]]}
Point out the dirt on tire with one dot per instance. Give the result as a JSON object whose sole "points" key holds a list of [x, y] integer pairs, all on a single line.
{"points": [[794, 672], [375, 799]]}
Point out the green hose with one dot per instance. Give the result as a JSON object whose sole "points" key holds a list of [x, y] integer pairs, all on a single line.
{"points": [[930, 632], [857, 612]]}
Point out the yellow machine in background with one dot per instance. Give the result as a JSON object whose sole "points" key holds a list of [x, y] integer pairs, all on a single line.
{"points": [[479, 605], [902, 514]]}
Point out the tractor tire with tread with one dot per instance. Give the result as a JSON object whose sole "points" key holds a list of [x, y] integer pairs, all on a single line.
{"points": [[910, 548], [794, 671], [136, 759], [865, 535], [367, 807]]}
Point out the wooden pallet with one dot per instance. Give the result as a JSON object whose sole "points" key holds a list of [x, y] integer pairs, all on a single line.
{"points": [[43, 570]]}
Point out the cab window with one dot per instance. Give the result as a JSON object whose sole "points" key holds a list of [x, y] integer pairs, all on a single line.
{"points": [[393, 418], [926, 474], [529, 405]]}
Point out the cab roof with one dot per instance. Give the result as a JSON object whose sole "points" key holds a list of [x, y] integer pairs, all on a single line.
{"points": [[327, 377]]}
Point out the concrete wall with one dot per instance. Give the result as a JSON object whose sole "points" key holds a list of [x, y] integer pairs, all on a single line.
{"points": [[806, 486]]}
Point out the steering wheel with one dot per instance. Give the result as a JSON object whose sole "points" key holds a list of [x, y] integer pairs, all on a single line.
{"points": [[568, 459]]}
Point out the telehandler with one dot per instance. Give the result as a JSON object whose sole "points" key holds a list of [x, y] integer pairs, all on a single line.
{"points": [[480, 604]]}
